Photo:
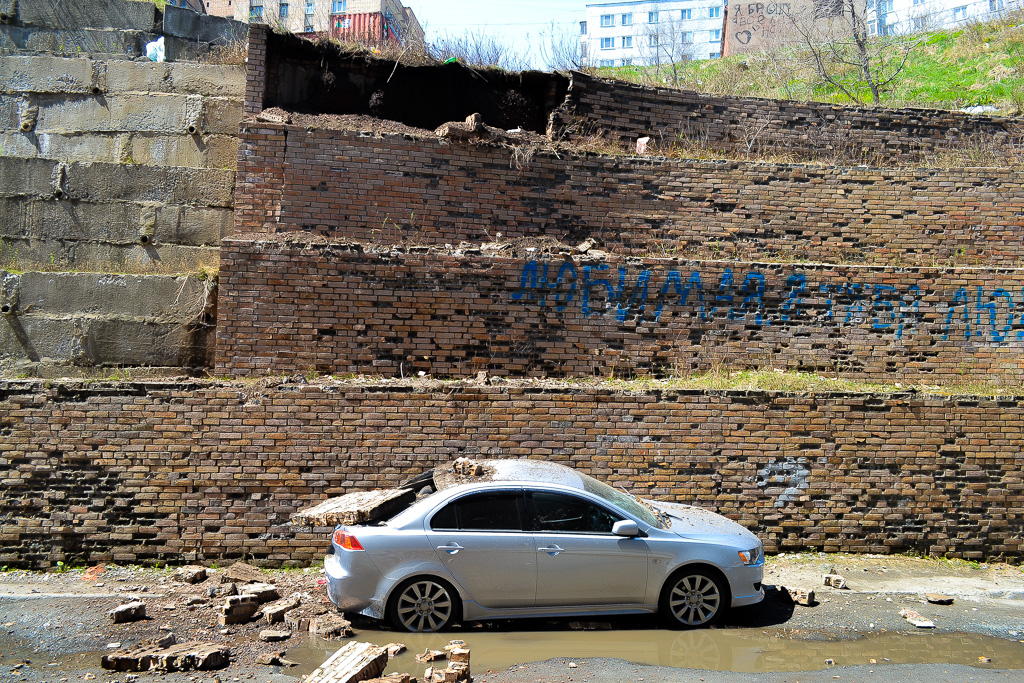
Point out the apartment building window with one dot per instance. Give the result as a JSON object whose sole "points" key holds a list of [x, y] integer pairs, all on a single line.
{"points": [[255, 10], [283, 11], [607, 20], [652, 17], [884, 6], [627, 62], [714, 55], [607, 43], [715, 12], [606, 62], [960, 13], [627, 41], [872, 28], [627, 19], [339, 6], [652, 41], [309, 7], [996, 5], [687, 36], [583, 28], [920, 23], [715, 35], [918, 2], [686, 14]]}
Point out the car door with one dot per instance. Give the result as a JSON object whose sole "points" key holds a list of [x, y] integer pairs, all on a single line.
{"points": [[480, 538], [579, 560]]}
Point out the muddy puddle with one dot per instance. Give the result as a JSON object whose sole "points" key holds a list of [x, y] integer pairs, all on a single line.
{"points": [[717, 649]]}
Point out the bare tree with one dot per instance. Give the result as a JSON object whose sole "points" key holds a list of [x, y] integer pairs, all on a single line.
{"points": [[852, 48], [665, 44], [479, 49], [562, 50]]}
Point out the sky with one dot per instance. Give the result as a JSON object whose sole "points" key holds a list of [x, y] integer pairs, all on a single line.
{"points": [[517, 22]]}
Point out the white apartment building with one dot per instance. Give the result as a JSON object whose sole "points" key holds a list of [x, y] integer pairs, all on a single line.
{"points": [[652, 32], [885, 17]]}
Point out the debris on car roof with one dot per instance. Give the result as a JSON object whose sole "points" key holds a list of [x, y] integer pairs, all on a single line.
{"points": [[461, 471], [355, 508]]}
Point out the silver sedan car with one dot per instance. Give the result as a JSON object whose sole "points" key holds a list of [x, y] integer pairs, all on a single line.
{"points": [[524, 538]]}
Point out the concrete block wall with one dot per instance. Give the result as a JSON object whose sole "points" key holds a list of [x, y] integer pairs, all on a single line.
{"points": [[625, 112], [113, 163], [140, 472], [402, 189], [291, 306]]}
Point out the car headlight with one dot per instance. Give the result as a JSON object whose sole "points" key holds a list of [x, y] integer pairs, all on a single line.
{"points": [[750, 557]]}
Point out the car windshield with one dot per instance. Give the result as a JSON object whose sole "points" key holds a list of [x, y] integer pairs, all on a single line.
{"points": [[622, 499]]}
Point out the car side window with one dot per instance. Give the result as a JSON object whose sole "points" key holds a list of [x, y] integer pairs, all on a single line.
{"points": [[492, 511], [558, 512]]}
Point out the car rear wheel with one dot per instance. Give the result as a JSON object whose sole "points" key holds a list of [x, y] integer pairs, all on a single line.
{"points": [[693, 598], [424, 605]]}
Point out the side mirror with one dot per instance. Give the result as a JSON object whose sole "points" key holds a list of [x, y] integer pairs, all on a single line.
{"points": [[626, 527]]}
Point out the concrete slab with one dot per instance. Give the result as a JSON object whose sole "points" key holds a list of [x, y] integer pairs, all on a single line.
{"points": [[154, 112], [54, 74], [117, 14], [184, 23], [147, 149]]}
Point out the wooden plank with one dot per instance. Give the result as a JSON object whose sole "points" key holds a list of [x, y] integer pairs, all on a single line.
{"points": [[355, 508], [352, 663]]}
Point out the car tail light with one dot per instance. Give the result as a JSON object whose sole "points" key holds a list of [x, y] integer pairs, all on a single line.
{"points": [[344, 539]]}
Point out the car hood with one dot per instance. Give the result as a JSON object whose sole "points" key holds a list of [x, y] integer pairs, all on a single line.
{"points": [[691, 521]]}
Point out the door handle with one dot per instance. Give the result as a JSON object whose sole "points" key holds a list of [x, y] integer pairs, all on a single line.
{"points": [[551, 550], [450, 548]]}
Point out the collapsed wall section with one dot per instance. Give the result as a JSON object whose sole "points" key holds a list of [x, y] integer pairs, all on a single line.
{"points": [[401, 189], [300, 305], [210, 472]]}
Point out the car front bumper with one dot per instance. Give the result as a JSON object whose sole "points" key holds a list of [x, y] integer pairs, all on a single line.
{"points": [[745, 583]]}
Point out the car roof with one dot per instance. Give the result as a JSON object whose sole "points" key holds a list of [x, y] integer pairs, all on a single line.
{"points": [[464, 471]]}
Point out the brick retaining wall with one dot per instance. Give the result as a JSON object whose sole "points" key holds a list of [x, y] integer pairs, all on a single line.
{"points": [[211, 471], [400, 189], [745, 125], [293, 306]]}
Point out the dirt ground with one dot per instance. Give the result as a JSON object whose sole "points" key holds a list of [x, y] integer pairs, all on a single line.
{"points": [[55, 626]]}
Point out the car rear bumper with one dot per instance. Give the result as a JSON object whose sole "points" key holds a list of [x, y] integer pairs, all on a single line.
{"points": [[351, 588]]}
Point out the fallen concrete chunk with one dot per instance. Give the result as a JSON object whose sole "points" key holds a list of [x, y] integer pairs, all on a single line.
{"points": [[190, 574], [801, 596], [834, 580], [450, 674], [237, 609], [355, 508], [240, 572], [270, 659], [330, 626], [223, 590], [181, 657], [132, 611], [352, 663], [395, 649], [453, 644], [263, 592], [916, 618], [274, 635], [429, 655], [392, 678], [459, 655], [274, 612], [299, 619], [938, 599]]}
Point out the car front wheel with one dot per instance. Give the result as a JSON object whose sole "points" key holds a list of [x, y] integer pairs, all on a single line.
{"points": [[693, 598], [423, 605]]}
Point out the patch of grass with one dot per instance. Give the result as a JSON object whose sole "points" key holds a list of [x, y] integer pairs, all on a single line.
{"points": [[981, 64]]}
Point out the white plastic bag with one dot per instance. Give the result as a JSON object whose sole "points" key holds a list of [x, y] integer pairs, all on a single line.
{"points": [[155, 50]]}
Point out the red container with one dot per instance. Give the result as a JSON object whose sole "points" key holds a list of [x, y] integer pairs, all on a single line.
{"points": [[369, 27]]}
